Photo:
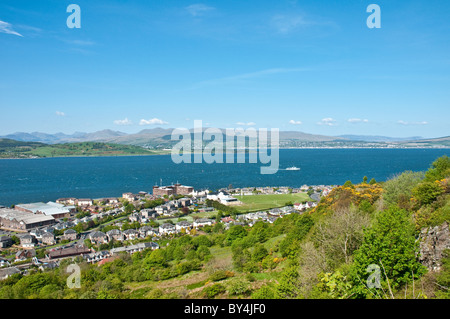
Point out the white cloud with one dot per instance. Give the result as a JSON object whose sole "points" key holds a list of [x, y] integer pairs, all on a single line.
{"points": [[412, 123], [286, 24], [246, 124], [245, 76], [295, 122], [6, 27], [153, 121], [125, 121], [356, 120], [198, 9], [327, 121], [59, 113]]}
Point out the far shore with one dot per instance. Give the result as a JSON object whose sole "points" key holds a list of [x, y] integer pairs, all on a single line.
{"points": [[281, 148]]}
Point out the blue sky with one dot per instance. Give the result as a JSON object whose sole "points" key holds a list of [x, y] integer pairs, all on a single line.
{"points": [[311, 66]]}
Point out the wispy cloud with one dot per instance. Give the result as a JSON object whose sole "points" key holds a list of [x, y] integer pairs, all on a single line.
{"points": [[246, 76], [356, 120], [295, 122], [327, 121], [125, 121], [246, 124], [283, 23], [198, 9], [412, 123], [7, 28], [153, 121], [59, 113]]}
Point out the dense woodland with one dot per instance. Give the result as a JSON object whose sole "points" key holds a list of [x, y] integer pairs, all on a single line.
{"points": [[327, 252]]}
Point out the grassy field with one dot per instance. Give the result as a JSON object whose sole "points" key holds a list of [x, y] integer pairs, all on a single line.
{"points": [[264, 202]]}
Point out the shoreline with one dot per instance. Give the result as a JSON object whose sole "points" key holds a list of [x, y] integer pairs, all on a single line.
{"points": [[281, 148]]}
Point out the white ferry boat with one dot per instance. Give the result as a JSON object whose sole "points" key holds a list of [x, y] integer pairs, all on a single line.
{"points": [[292, 168]]}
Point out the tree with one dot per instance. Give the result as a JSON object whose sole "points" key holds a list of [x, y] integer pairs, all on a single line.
{"points": [[341, 235], [398, 190], [157, 258], [427, 192], [391, 246], [372, 181], [235, 232], [259, 253], [439, 169], [348, 184], [365, 179], [129, 208]]}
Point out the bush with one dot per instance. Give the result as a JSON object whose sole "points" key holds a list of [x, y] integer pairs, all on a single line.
{"points": [[218, 275], [400, 187], [427, 192], [212, 291]]}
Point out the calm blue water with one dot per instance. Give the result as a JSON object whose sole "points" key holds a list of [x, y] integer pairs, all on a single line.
{"points": [[32, 180]]}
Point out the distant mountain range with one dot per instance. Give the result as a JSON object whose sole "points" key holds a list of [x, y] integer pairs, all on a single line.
{"points": [[158, 138]]}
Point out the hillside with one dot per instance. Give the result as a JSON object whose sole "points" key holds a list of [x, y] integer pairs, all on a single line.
{"points": [[17, 149], [328, 252]]}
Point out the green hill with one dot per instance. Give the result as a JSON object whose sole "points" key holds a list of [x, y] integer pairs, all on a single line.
{"points": [[16, 149]]}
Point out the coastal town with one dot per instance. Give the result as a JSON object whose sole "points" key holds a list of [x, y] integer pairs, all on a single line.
{"points": [[39, 235]]}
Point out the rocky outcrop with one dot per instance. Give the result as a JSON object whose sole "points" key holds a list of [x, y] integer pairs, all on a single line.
{"points": [[433, 242]]}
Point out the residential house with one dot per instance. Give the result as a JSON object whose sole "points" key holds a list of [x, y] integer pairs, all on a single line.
{"points": [[129, 196], [67, 201], [27, 241], [7, 272], [97, 256], [130, 234], [70, 235], [148, 213], [202, 222], [183, 225], [98, 237], [25, 254], [135, 217], [135, 248], [185, 202], [48, 238], [115, 234], [85, 202], [145, 231], [166, 229]]}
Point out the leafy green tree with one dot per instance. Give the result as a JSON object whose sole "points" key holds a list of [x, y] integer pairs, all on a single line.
{"points": [[157, 258], [372, 181], [235, 232], [399, 189], [439, 169], [287, 287], [365, 178], [349, 184], [391, 245], [129, 208], [259, 253], [202, 240], [427, 192], [261, 231]]}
